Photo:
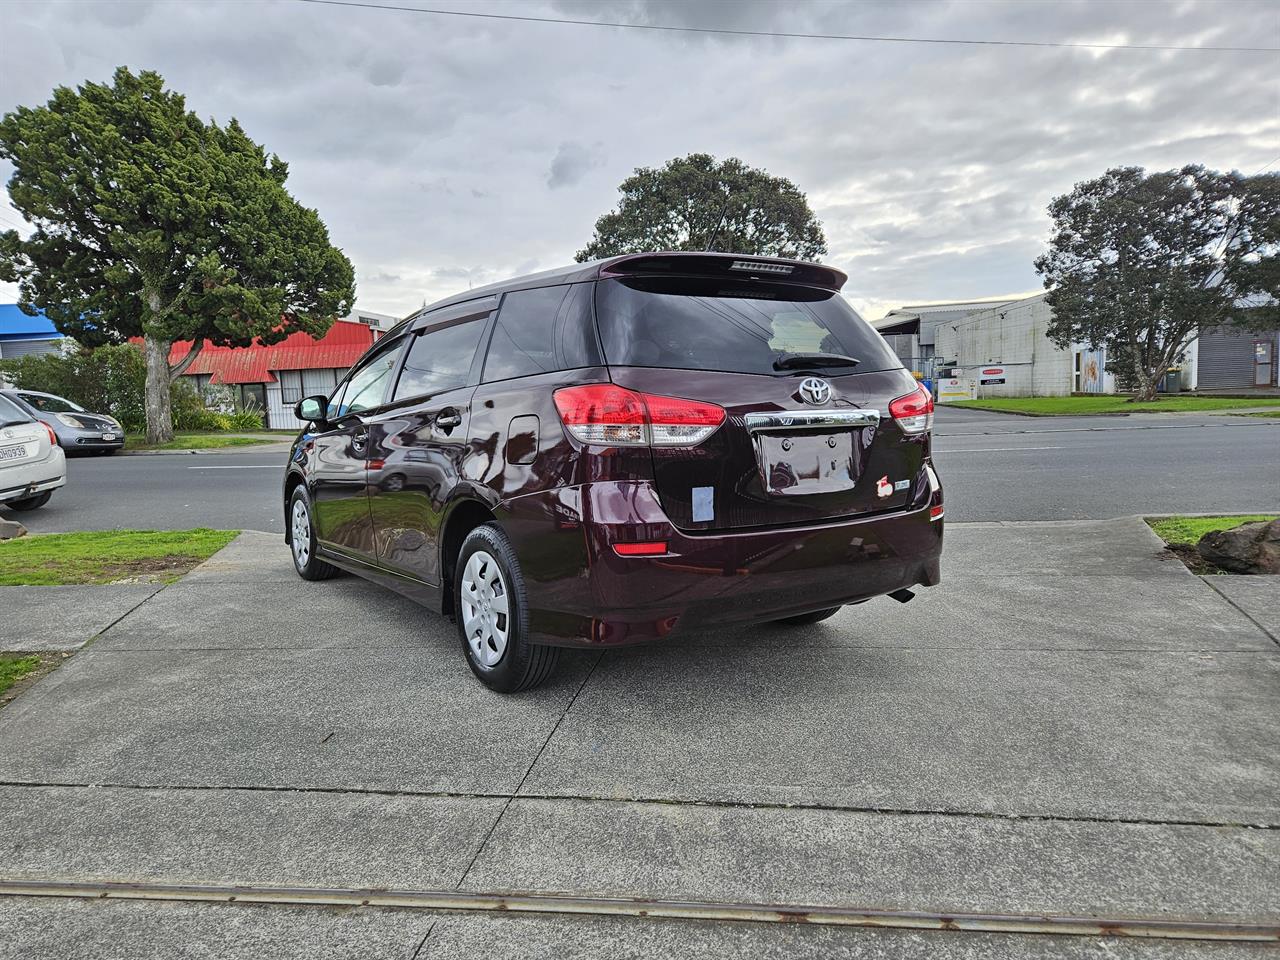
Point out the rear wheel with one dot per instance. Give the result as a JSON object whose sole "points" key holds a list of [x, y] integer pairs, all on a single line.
{"points": [[807, 618], [493, 615], [30, 503], [302, 539]]}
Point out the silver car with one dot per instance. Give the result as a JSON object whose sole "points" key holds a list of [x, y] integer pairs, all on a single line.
{"points": [[32, 465], [76, 428]]}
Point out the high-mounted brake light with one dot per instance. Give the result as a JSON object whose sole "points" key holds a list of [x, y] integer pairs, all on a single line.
{"points": [[752, 266], [610, 415], [914, 412]]}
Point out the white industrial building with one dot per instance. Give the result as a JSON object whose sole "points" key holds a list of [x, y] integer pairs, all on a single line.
{"points": [[1005, 350], [910, 330]]}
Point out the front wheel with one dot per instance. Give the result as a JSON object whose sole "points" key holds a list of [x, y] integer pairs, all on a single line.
{"points": [[302, 539], [805, 619], [30, 503], [493, 615]]}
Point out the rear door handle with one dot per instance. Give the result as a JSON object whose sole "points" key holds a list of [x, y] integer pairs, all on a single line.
{"points": [[448, 418]]}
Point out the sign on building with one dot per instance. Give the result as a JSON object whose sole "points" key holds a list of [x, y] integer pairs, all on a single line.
{"points": [[991, 375], [951, 389]]}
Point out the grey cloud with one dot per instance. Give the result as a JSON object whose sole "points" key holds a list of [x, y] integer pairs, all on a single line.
{"points": [[572, 162], [428, 144]]}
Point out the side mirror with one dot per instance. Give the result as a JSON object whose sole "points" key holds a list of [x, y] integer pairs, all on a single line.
{"points": [[311, 409]]}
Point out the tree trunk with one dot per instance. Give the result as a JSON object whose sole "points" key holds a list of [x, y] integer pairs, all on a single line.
{"points": [[1144, 386], [159, 409], [1147, 385]]}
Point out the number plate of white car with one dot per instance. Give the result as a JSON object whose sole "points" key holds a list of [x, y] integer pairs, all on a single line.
{"points": [[13, 453]]}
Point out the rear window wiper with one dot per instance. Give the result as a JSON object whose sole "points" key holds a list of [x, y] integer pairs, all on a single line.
{"points": [[791, 361]]}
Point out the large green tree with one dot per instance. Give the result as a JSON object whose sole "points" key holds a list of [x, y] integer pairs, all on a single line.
{"points": [[150, 222], [1138, 263], [695, 203]]}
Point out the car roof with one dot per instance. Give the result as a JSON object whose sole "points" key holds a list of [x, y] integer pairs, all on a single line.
{"points": [[38, 393], [674, 262]]}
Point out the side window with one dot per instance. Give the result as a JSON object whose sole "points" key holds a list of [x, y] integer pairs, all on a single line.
{"points": [[576, 340], [440, 359], [367, 387], [524, 340]]}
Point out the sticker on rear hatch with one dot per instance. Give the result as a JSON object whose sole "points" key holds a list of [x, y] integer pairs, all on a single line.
{"points": [[704, 505]]}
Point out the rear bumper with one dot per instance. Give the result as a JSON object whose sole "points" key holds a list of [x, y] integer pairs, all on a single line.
{"points": [[582, 594], [20, 482]]}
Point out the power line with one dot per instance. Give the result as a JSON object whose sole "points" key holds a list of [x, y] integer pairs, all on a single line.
{"points": [[792, 36]]}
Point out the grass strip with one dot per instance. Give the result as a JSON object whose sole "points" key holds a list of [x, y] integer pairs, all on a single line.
{"points": [[1187, 531], [1113, 403], [13, 667], [107, 556], [196, 441]]}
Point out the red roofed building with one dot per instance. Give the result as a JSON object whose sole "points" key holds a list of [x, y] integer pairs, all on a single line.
{"points": [[276, 377]]}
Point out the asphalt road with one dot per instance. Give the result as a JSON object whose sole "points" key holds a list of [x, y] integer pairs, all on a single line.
{"points": [[994, 467]]}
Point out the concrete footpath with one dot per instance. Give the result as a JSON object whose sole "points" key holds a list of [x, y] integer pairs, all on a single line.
{"points": [[1071, 725]]}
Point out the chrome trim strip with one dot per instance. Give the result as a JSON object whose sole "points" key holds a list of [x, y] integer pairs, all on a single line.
{"points": [[811, 420]]}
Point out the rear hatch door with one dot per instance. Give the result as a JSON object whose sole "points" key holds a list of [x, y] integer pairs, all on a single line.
{"points": [[807, 437]]}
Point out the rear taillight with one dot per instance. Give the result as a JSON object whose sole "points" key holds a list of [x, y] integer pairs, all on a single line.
{"points": [[607, 414], [914, 412], [53, 437]]}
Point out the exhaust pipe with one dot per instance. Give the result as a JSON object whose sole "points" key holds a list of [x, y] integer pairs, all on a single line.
{"points": [[903, 596]]}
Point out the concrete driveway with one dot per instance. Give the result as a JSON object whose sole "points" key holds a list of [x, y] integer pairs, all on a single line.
{"points": [[1070, 725]]}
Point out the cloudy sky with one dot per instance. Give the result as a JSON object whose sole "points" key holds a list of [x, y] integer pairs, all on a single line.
{"points": [[446, 151]]}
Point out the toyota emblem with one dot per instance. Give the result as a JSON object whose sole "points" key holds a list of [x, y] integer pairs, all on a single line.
{"points": [[814, 390]]}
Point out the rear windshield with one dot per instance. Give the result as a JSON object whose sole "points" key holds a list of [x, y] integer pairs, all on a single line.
{"points": [[698, 324], [11, 413]]}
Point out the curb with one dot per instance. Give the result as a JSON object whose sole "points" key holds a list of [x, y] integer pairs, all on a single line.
{"points": [[269, 447]]}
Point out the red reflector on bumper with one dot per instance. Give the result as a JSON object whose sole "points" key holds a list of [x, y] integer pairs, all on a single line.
{"points": [[935, 513], [654, 549]]}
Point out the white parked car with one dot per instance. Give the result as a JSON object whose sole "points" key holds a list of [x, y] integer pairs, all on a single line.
{"points": [[32, 465]]}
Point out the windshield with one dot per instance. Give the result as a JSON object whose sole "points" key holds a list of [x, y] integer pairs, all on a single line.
{"points": [[10, 412], [47, 404], [701, 324]]}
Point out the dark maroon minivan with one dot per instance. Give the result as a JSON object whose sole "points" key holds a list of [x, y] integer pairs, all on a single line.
{"points": [[623, 451]]}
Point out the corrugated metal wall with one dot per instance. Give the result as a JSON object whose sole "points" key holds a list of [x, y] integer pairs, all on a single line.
{"points": [[1012, 336], [1225, 360], [9, 349], [280, 412]]}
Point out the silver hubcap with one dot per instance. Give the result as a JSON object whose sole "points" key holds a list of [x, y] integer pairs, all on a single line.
{"points": [[301, 533], [485, 608]]}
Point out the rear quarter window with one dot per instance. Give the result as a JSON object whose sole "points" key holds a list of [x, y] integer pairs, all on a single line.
{"points": [[701, 324], [542, 330]]}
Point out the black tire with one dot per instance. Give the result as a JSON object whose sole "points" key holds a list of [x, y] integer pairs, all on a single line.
{"points": [[805, 619], [30, 503], [305, 560], [520, 665]]}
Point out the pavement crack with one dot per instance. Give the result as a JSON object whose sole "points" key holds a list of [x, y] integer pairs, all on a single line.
{"points": [[417, 954], [484, 842], [103, 631], [641, 800], [1242, 611]]}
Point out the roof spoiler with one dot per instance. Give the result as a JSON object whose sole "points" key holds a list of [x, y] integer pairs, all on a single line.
{"points": [[726, 265]]}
